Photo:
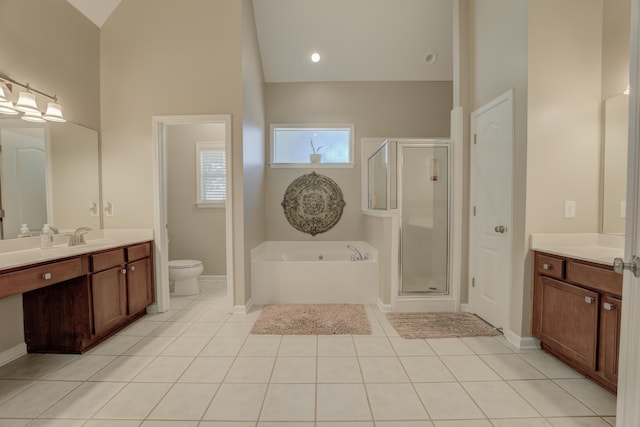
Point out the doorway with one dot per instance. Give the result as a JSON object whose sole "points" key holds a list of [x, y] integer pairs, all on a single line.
{"points": [[161, 133]]}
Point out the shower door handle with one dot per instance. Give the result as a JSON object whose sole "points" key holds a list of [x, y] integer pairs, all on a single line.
{"points": [[500, 229]]}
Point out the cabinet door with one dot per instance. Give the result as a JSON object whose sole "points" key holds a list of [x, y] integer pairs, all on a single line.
{"points": [[109, 298], [139, 285], [610, 338], [569, 320]]}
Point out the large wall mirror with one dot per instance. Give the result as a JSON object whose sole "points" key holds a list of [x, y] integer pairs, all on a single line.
{"points": [[49, 173]]}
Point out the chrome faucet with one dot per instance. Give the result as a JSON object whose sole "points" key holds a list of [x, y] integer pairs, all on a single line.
{"points": [[356, 253], [77, 238]]}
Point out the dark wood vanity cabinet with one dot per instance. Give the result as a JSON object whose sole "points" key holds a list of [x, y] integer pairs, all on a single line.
{"points": [[576, 314], [112, 289]]}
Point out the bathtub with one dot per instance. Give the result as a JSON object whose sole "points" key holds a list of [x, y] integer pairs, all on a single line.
{"points": [[313, 272]]}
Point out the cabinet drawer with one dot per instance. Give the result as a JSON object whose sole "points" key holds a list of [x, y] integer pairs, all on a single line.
{"points": [[138, 252], [105, 260], [598, 278], [38, 277], [550, 266]]}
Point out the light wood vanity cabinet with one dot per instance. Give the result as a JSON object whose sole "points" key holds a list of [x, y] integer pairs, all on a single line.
{"points": [[112, 289], [576, 314]]}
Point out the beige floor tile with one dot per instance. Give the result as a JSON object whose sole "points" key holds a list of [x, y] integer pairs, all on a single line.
{"points": [[202, 329], [46, 422], [301, 346], [36, 399], [187, 315], [82, 368], [515, 422], [234, 329], [486, 345], [112, 423], [214, 315], [223, 346], [426, 369], [339, 370], [447, 401], [497, 400], [336, 345], [170, 329], [592, 395], [382, 370], [285, 424], [405, 347], [550, 366], [15, 423], [164, 369], [227, 424], [40, 366], [84, 401], [462, 423], [207, 370], [294, 370], [237, 402], [404, 424], [123, 368], [289, 402], [395, 402], [250, 370], [10, 388], [149, 346], [140, 329], [512, 367], [342, 402], [261, 345], [469, 368], [373, 346], [578, 422], [550, 399], [115, 346], [185, 402], [449, 346], [134, 401], [610, 420], [377, 330], [186, 346]]}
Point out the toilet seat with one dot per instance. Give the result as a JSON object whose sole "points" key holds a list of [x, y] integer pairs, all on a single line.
{"points": [[184, 263]]}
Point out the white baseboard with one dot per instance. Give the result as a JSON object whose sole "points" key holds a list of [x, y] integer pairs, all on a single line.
{"points": [[211, 278], [385, 308], [521, 343], [12, 353], [464, 307], [243, 309]]}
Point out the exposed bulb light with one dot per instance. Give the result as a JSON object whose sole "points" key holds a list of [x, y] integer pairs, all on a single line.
{"points": [[627, 91], [27, 103], [5, 93], [33, 117], [54, 113], [315, 57]]}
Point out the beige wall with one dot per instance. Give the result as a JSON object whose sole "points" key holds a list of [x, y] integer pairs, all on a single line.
{"points": [[148, 68], [378, 234], [58, 55], [377, 109], [615, 47], [194, 233], [498, 52]]}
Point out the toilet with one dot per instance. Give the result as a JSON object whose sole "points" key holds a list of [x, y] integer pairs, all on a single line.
{"points": [[183, 273]]}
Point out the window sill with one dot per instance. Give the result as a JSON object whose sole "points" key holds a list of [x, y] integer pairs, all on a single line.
{"points": [[211, 205], [312, 165]]}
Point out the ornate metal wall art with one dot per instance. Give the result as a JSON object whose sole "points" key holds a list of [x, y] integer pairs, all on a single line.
{"points": [[313, 203]]}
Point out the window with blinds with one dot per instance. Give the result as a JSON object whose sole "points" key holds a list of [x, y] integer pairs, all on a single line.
{"points": [[211, 169]]}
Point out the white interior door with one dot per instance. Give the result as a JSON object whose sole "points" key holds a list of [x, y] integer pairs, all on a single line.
{"points": [[491, 207], [628, 411]]}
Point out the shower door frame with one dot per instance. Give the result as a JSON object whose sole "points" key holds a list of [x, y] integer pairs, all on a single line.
{"points": [[425, 301]]}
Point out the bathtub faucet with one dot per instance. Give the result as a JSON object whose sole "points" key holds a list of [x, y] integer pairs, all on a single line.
{"points": [[356, 253]]}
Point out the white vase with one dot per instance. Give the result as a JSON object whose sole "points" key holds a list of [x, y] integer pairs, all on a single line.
{"points": [[315, 158]]}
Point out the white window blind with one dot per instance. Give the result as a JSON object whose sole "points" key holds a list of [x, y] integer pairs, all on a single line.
{"points": [[212, 179]]}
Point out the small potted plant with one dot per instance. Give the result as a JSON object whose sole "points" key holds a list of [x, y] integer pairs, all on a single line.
{"points": [[315, 157]]}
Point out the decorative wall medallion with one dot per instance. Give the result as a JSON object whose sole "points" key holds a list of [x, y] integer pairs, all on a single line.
{"points": [[313, 203]]}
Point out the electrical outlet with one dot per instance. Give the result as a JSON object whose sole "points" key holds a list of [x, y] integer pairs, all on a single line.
{"points": [[108, 208], [569, 209], [623, 209]]}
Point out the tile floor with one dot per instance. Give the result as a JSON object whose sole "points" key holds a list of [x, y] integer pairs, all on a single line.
{"points": [[196, 365]]}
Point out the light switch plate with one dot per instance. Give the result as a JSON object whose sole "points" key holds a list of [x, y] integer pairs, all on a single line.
{"points": [[569, 209]]}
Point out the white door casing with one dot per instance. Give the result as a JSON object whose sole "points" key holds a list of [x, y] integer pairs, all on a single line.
{"points": [[628, 410], [490, 240]]}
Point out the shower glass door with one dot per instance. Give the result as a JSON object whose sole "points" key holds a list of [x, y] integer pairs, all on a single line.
{"points": [[425, 219]]}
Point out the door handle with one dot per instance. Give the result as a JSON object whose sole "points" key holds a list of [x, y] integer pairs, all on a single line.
{"points": [[500, 229], [634, 266]]}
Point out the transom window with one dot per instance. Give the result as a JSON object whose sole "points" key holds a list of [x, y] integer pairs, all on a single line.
{"points": [[211, 170], [293, 145]]}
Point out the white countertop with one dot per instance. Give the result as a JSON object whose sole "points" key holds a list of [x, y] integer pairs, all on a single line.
{"points": [[592, 247], [26, 251]]}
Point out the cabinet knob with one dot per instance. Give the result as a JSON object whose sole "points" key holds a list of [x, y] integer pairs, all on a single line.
{"points": [[133, 268], [46, 276], [588, 300], [546, 266], [123, 271], [607, 306]]}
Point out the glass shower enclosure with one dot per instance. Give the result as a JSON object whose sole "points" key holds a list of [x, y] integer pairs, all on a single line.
{"points": [[414, 178]]}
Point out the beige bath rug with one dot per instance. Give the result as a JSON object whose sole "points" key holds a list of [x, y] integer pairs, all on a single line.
{"points": [[440, 325], [312, 319]]}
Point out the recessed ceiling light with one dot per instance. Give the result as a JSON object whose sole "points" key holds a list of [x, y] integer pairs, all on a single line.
{"points": [[315, 57], [431, 57]]}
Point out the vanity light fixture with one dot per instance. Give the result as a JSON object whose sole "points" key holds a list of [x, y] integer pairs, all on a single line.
{"points": [[28, 104], [315, 57]]}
